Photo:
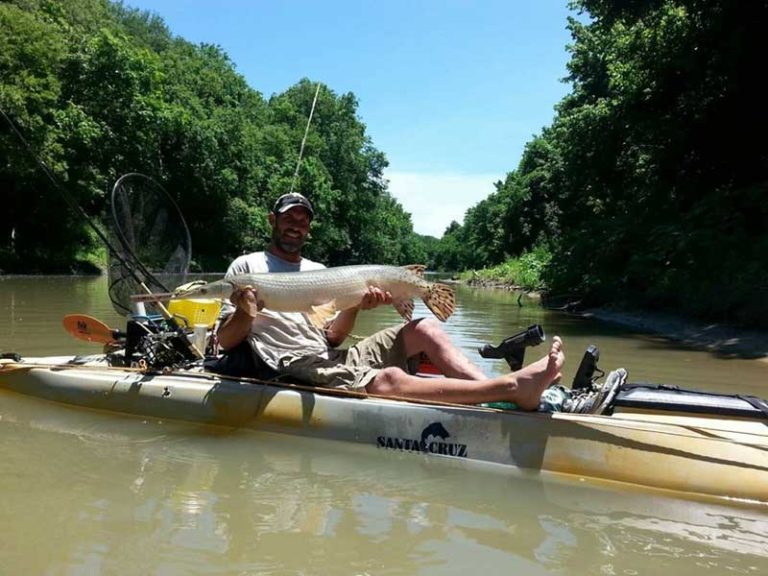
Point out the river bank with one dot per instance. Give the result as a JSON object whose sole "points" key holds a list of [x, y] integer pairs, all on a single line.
{"points": [[723, 340]]}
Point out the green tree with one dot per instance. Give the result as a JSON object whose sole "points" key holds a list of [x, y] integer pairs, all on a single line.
{"points": [[33, 49], [649, 186]]}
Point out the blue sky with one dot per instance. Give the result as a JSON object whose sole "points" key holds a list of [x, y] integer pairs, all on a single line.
{"points": [[451, 91]]}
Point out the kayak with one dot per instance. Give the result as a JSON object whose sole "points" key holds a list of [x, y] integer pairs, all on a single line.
{"points": [[681, 442], [717, 453]]}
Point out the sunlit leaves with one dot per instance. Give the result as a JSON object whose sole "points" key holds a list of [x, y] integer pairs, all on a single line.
{"points": [[101, 89]]}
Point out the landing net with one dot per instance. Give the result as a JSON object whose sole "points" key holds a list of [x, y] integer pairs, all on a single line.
{"points": [[151, 242]]}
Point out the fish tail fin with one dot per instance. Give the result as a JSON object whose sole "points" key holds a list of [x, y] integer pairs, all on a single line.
{"points": [[417, 269], [441, 300]]}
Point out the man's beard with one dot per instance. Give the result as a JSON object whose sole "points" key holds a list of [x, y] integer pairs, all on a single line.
{"points": [[288, 245]]}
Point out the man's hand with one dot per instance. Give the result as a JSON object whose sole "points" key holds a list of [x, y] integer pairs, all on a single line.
{"points": [[247, 300], [375, 297]]}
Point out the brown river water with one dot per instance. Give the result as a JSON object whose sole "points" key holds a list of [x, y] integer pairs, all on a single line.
{"points": [[93, 493]]}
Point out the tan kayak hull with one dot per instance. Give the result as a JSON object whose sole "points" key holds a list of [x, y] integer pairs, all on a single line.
{"points": [[694, 456]]}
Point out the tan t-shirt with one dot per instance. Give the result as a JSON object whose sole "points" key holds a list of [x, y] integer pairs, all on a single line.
{"points": [[277, 336]]}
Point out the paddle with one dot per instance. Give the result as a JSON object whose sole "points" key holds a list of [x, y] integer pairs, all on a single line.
{"points": [[90, 329]]}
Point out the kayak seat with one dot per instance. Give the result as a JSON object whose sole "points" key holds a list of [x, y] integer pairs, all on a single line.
{"points": [[240, 362]]}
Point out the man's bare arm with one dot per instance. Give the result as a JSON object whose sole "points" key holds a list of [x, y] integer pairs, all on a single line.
{"points": [[237, 325], [341, 326]]}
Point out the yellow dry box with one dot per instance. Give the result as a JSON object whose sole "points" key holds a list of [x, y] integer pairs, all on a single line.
{"points": [[196, 310]]}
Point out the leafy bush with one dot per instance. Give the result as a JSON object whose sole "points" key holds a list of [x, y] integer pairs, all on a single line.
{"points": [[524, 272]]}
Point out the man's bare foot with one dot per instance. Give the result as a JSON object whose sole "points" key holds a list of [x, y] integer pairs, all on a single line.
{"points": [[528, 383]]}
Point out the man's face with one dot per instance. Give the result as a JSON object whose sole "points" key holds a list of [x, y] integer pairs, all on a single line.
{"points": [[290, 229]]}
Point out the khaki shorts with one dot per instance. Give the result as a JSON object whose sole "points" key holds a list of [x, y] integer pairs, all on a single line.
{"points": [[355, 367]]}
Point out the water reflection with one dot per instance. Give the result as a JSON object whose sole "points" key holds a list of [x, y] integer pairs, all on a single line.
{"points": [[111, 494]]}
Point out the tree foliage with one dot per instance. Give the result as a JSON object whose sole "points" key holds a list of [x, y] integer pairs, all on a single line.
{"points": [[99, 89], [669, 209], [650, 185]]}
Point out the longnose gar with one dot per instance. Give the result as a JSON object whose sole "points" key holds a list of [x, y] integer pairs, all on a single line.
{"points": [[342, 287]]}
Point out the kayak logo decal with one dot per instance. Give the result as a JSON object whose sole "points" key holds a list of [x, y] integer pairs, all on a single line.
{"points": [[432, 441], [435, 429]]}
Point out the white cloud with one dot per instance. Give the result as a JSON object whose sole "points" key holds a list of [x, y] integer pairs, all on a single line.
{"points": [[435, 200]]}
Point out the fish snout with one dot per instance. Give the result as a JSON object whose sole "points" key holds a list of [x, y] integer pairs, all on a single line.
{"points": [[189, 289]]}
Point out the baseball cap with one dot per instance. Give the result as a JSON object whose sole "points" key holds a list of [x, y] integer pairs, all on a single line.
{"points": [[291, 200]]}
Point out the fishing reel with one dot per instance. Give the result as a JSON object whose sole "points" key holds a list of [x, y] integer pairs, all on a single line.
{"points": [[154, 343], [512, 349]]}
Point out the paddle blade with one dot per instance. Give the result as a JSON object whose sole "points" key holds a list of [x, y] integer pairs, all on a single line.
{"points": [[89, 329]]}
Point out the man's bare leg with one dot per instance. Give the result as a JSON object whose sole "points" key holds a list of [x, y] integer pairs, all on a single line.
{"points": [[426, 335], [523, 387]]}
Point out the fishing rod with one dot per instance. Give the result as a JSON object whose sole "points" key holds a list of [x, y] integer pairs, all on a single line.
{"points": [[304, 140]]}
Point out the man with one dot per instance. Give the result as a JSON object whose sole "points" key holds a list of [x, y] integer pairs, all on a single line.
{"points": [[290, 344]]}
